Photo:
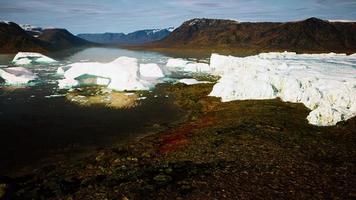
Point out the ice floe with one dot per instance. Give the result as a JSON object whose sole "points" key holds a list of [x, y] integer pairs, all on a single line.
{"points": [[191, 81], [151, 70], [62, 69], [197, 68], [55, 96], [121, 74], [177, 64], [17, 75], [27, 58], [325, 83]]}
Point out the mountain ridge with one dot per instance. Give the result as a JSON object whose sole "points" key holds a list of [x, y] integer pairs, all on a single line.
{"points": [[311, 34], [14, 38], [136, 37]]}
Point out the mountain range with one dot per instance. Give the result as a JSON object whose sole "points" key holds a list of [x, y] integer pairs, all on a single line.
{"points": [[310, 35], [137, 37], [14, 38]]}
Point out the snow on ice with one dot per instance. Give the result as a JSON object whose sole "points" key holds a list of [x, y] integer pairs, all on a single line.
{"points": [[325, 83], [27, 58], [122, 73], [17, 75], [178, 64], [151, 70], [191, 81]]}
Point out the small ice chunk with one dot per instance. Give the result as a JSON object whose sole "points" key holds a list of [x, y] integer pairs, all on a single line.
{"points": [[177, 63], [151, 70], [26, 58], [17, 75], [87, 79], [55, 96], [191, 81], [62, 69], [67, 83], [188, 66], [197, 67]]}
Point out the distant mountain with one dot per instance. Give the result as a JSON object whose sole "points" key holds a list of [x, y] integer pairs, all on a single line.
{"points": [[308, 35], [137, 37], [14, 38], [61, 38]]}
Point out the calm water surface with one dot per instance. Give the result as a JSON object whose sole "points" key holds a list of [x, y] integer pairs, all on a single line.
{"points": [[38, 130]]}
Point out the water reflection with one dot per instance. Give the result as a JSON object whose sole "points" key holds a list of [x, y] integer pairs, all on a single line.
{"points": [[42, 122]]}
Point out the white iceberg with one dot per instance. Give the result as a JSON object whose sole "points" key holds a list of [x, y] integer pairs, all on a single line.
{"points": [[27, 58], [62, 69], [17, 75], [191, 81], [197, 68], [151, 70], [325, 83], [121, 74], [177, 64]]}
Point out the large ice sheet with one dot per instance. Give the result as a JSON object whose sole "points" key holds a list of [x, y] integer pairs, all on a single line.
{"points": [[27, 58], [17, 75], [123, 74], [325, 83]]}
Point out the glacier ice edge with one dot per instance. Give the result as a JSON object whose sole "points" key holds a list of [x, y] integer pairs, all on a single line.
{"points": [[325, 83]]}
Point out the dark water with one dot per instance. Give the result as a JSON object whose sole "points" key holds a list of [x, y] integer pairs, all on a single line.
{"points": [[36, 130]]}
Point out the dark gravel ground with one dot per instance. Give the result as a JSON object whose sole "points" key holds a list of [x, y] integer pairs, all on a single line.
{"points": [[237, 150]]}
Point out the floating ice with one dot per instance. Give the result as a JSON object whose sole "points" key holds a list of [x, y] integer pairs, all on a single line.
{"points": [[16, 75], [151, 70], [325, 83], [122, 74], [191, 81], [55, 96], [62, 69], [178, 64], [26, 58], [197, 68]]}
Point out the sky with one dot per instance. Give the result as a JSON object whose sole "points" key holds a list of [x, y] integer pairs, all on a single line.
{"points": [[98, 16]]}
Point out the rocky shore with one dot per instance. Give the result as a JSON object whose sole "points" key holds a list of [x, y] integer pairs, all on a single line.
{"points": [[261, 149]]}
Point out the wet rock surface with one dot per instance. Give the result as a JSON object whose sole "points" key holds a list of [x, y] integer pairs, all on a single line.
{"points": [[236, 150]]}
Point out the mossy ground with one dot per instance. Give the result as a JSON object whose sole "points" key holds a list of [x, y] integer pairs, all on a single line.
{"points": [[98, 96], [237, 150]]}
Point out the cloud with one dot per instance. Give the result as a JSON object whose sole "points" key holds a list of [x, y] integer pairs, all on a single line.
{"points": [[199, 3], [50, 7]]}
